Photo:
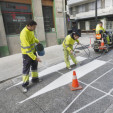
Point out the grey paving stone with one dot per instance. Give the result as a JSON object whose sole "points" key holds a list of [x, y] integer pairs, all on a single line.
{"points": [[85, 98], [45, 81], [96, 73], [9, 100], [99, 107], [105, 83], [56, 100]]}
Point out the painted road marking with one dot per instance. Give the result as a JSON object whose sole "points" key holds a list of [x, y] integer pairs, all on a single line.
{"points": [[85, 89], [90, 103], [52, 69], [67, 78], [98, 89], [106, 94]]}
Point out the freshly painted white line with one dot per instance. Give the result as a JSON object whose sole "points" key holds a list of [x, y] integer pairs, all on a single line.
{"points": [[85, 89], [52, 69], [67, 78], [59, 67]]}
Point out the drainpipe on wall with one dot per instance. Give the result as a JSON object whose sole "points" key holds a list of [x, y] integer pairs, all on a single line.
{"points": [[64, 15], [96, 11]]}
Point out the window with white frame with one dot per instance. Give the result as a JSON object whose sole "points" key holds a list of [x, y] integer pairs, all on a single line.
{"points": [[70, 10], [87, 7], [99, 4], [82, 25], [109, 24], [74, 11], [92, 6], [81, 8]]}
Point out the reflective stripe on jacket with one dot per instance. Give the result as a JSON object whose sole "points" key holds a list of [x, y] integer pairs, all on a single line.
{"points": [[28, 41], [69, 42], [98, 28]]}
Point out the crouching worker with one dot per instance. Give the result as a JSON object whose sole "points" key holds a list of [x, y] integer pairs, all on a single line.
{"points": [[30, 59], [100, 29], [68, 48]]}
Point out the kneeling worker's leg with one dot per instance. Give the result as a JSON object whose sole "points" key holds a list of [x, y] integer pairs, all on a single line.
{"points": [[73, 58], [66, 58], [108, 39]]}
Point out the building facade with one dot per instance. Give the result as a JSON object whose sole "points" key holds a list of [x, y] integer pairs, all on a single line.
{"points": [[14, 14], [83, 11]]}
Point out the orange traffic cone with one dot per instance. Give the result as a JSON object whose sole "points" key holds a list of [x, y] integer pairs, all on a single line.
{"points": [[75, 85], [102, 43]]}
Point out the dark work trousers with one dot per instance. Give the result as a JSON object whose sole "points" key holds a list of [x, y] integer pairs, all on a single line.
{"points": [[27, 64]]}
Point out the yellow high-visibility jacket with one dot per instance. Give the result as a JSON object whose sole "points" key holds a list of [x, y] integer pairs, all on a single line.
{"points": [[28, 41], [98, 28], [69, 42]]}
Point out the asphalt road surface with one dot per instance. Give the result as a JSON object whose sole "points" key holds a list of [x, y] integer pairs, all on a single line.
{"points": [[53, 94]]}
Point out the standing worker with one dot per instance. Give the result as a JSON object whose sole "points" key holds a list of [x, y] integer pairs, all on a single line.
{"points": [[30, 58], [68, 48]]}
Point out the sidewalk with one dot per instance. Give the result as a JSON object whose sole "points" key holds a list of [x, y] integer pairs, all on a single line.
{"points": [[11, 66]]}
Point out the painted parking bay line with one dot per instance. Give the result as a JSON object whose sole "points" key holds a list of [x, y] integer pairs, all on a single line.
{"points": [[52, 69], [67, 78]]}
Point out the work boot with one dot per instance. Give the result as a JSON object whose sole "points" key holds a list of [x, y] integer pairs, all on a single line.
{"points": [[24, 89], [36, 80]]}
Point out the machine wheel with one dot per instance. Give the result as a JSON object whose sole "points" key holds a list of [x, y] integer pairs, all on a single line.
{"points": [[107, 49], [96, 50]]}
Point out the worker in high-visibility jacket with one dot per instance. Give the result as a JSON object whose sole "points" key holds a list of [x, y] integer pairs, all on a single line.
{"points": [[30, 58], [68, 48], [99, 28]]}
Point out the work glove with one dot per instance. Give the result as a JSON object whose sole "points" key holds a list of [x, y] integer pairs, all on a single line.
{"points": [[38, 59], [78, 43], [73, 52]]}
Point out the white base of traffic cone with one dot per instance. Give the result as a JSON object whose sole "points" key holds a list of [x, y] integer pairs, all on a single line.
{"points": [[90, 46], [75, 88]]}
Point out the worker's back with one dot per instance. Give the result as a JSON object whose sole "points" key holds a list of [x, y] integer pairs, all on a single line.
{"points": [[99, 28]]}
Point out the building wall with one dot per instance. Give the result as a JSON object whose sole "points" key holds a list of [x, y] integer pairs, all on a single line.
{"points": [[38, 17], [60, 18], [14, 44], [85, 11], [18, 1], [3, 41], [10, 44], [108, 3], [51, 39]]}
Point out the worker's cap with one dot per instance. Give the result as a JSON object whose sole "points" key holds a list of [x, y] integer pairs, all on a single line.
{"points": [[76, 33]]}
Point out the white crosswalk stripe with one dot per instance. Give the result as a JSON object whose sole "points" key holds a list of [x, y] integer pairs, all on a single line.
{"points": [[52, 69], [67, 78]]}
